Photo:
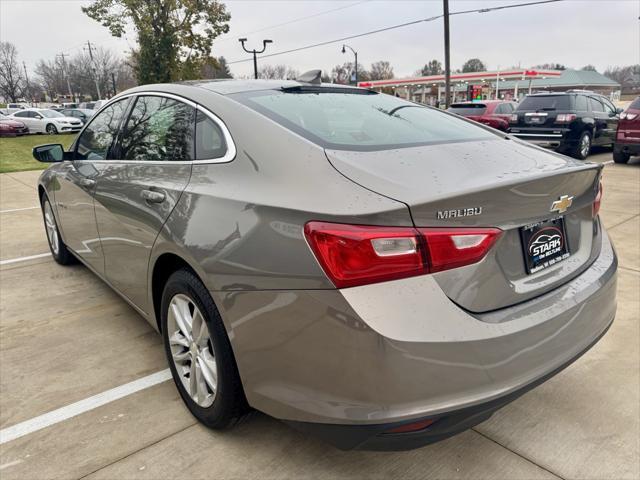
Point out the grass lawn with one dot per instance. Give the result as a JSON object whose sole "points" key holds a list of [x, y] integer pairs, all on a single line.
{"points": [[15, 152]]}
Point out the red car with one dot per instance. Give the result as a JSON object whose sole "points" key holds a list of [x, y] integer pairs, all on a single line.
{"points": [[494, 113], [11, 128], [627, 141]]}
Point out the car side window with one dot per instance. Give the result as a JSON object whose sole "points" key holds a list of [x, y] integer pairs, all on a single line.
{"points": [[608, 107], [596, 105], [581, 103], [159, 129], [21, 114], [210, 142], [95, 141]]}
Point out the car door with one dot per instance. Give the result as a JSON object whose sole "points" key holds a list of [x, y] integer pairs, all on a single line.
{"points": [[612, 120], [77, 182], [28, 118], [601, 119], [136, 194]]}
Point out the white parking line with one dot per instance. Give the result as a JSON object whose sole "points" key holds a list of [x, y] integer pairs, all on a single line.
{"points": [[23, 259], [56, 416], [18, 209]]}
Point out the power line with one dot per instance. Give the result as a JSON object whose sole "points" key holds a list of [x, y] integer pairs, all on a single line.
{"points": [[393, 27], [295, 20]]}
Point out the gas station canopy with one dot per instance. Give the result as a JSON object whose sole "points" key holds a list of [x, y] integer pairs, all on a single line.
{"points": [[471, 77]]}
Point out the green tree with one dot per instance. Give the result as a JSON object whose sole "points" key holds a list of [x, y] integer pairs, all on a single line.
{"points": [[474, 65], [590, 68], [550, 66], [174, 36], [434, 67]]}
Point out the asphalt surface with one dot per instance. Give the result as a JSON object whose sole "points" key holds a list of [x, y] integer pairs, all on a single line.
{"points": [[70, 346]]}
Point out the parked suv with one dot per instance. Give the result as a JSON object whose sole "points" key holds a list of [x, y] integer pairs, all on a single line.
{"points": [[628, 135], [571, 122]]}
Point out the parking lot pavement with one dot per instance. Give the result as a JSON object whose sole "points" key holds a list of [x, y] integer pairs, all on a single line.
{"points": [[65, 337]]}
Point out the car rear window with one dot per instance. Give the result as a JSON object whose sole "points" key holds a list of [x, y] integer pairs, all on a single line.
{"points": [[465, 109], [357, 121], [545, 102]]}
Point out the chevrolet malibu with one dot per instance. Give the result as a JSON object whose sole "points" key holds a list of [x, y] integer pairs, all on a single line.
{"points": [[372, 271]]}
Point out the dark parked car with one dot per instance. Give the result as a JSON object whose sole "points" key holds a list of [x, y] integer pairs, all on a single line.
{"points": [[11, 128], [494, 113], [571, 122], [628, 134], [378, 272], [82, 114]]}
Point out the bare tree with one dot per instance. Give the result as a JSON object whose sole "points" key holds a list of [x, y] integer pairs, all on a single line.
{"points": [[381, 70], [277, 72], [12, 82], [342, 73]]}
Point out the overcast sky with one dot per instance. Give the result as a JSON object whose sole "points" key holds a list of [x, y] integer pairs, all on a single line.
{"points": [[571, 32]]}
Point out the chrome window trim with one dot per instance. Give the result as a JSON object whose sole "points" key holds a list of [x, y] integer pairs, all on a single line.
{"points": [[226, 158]]}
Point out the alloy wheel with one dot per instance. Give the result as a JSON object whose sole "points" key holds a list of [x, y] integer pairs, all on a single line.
{"points": [[585, 145], [52, 228], [192, 350]]}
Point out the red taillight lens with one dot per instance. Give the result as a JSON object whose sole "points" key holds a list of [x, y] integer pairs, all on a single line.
{"points": [[597, 201], [565, 117], [413, 427], [455, 247], [354, 255]]}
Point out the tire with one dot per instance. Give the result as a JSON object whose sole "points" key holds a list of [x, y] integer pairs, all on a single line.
{"points": [[621, 157], [581, 151], [51, 129], [217, 404], [61, 254]]}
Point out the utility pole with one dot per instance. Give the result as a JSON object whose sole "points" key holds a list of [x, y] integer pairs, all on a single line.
{"points": [[356, 55], [447, 64], [95, 73], [66, 73], [255, 52], [26, 76]]}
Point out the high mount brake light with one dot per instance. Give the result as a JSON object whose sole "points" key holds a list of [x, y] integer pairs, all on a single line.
{"points": [[354, 255]]}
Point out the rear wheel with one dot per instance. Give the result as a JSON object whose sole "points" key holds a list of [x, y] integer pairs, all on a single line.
{"points": [[621, 157], [51, 129], [583, 147], [199, 353], [59, 250]]}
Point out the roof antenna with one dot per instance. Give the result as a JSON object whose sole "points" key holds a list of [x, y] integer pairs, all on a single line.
{"points": [[312, 76]]}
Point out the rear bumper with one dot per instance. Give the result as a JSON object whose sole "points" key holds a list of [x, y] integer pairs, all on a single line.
{"points": [[630, 148], [547, 138], [366, 359]]}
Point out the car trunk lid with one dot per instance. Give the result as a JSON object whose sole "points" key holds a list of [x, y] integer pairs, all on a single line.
{"points": [[493, 183]]}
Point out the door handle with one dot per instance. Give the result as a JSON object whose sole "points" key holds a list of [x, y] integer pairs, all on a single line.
{"points": [[153, 197], [87, 182]]}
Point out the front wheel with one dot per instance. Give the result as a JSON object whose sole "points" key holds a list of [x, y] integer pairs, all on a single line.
{"points": [[582, 149], [199, 353], [59, 250], [621, 157], [51, 129]]}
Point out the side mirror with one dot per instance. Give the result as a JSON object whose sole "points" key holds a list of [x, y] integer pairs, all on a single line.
{"points": [[49, 153], [619, 110]]}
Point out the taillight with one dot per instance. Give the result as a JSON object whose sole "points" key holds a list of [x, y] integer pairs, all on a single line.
{"points": [[354, 255], [597, 201], [513, 118], [565, 117], [628, 116]]}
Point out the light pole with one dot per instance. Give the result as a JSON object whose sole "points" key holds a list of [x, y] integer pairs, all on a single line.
{"points": [[344, 47], [447, 64], [255, 52]]}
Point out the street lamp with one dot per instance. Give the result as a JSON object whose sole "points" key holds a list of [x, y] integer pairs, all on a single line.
{"points": [[344, 47], [255, 52]]}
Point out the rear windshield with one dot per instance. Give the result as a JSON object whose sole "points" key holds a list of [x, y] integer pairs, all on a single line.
{"points": [[468, 108], [355, 121], [542, 103]]}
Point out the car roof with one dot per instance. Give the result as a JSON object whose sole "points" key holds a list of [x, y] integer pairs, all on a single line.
{"points": [[229, 86]]}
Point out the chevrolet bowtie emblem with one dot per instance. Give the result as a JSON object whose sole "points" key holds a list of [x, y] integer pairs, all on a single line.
{"points": [[562, 204]]}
